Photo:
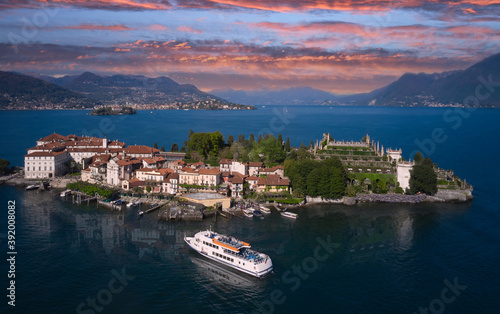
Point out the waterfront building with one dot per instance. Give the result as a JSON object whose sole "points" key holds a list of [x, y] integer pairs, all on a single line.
{"points": [[394, 155], [403, 174], [236, 186], [45, 165], [171, 183]]}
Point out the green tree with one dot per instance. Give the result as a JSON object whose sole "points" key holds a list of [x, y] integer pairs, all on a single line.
{"points": [[241, 138], [287, 145], [280, 139], [311, 145], [174, 148], [162, 148], [423, 178], [148, 188], [260, 139], [272, 149], [418, 158], [251, 138], [230, 140], [155, 145], [4, 166]]}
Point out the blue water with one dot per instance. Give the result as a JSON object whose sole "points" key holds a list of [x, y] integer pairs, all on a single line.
{"points": [[382, 259]]}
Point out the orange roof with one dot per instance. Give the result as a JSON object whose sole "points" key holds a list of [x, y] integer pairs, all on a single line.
{"points": [[141, 149], [213, 171], [252, 178], [44, 154], [53, 137]]}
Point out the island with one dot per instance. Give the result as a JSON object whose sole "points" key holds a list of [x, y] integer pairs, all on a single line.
{"points": [[112, 111], [212, 172]]}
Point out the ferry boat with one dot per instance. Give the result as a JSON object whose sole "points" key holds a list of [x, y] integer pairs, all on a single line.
{"points": [[248, 212], [64, 193], [230, 252], [265, 210], [289, 215]]}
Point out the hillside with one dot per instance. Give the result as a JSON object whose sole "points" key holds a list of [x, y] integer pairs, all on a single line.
{"points": [[134, 89], [291, 96], [19, 91], [447, 88]]}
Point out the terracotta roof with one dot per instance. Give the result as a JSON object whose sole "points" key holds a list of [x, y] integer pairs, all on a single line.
{"points": [[171, 176], [149, 160], [159, 158], [236, 180], [101, 158], [276, 180], [88, 169], [165, 171], [226, 174], [145, 170], [237, 174], [44, 154], [226, 161], [141, 149], [188, 170], [53, 137], [213, 171], [252, 178], [256, 164], [278, 167], [124, 162], [136, 182]]}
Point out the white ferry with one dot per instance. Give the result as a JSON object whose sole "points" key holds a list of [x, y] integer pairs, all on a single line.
{"points": [[289, 215], [231, 252]]}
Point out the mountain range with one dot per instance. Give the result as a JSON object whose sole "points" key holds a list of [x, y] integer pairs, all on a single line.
{"points": [[478, 85], [411, 89]]}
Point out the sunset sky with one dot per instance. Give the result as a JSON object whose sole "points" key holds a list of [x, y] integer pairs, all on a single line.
{"points": [[337, 46]]}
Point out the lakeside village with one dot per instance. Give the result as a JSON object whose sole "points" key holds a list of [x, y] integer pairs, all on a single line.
{"points": [[212, 174]]}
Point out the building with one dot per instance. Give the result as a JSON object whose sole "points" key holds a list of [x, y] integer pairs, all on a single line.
{"points": [[254, 168], [394, 155], [45, 165], [236, 186], [403, 174], [171, 183]]}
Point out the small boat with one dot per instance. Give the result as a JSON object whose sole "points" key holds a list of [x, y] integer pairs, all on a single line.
{"points": [[265, 210], [140, 213], [257, 213], [248, 212], [289, 215], [32, 187], [65, 193], [280, 208]]}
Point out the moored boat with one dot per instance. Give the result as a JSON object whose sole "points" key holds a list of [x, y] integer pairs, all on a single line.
{"points": [[289, 215], [32, 187], [265, 210], [230, 252], [257, 213], [248, 212]]}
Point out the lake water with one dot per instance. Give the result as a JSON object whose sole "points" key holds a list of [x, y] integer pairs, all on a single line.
{"points": [[369, 258]]}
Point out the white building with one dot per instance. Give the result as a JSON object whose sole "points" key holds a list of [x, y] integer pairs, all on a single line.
{"points": [[403, 173], [394, 155], [45, 164]]}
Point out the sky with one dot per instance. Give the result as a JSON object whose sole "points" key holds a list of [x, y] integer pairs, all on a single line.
{"points": [[342, 47]]}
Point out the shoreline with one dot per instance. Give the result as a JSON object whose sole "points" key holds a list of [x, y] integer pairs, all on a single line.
{"points": [[442, 196]]}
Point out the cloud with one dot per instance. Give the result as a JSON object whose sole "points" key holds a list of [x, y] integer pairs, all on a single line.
{"points": [[158, 27], [188, 29], [120, 27], [263, 5]]}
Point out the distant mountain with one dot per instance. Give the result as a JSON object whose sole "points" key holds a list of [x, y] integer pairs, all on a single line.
{"points": [[134, 89], [447, 88], [19, 91], [291, 96]]}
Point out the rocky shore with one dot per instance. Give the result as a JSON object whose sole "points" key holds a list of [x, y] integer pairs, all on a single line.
{"points": [[449, 196]]}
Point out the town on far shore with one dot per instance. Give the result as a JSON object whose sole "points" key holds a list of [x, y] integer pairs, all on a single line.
{"points": [[216, 172]]}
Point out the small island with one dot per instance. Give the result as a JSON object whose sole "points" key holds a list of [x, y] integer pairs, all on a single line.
{"points": [[112, 111]]}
